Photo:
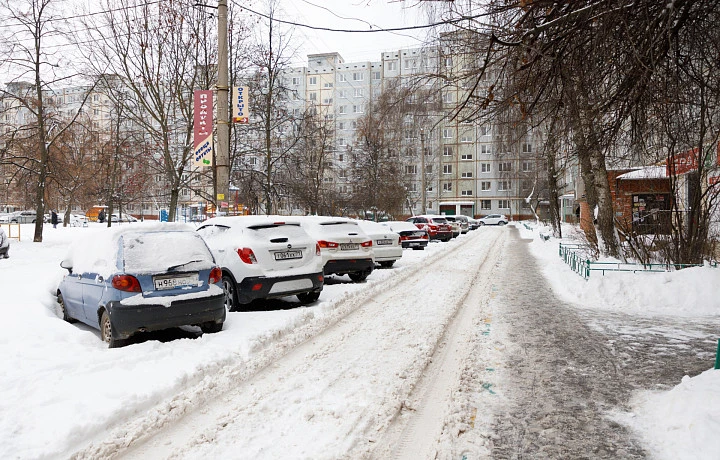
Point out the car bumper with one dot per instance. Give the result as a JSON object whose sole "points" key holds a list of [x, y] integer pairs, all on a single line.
{"points": [[414, 244], [442, 236], [260, 287], [129, 319], [344, 266]]}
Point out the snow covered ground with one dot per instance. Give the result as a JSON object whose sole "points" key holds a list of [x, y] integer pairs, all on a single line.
{"points": [[65, 392]]}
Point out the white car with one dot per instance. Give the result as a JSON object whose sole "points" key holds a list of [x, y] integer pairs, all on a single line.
{"points": [[345, 248], [493, 219], [386, 243], [264, 257]]}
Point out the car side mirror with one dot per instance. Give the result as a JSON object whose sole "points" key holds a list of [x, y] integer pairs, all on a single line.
{"points": [[67, 265]]}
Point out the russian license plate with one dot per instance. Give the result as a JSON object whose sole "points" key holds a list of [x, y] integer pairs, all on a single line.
{"points": [[383, 242], [349, 246], [175, 281], [288, 255]]}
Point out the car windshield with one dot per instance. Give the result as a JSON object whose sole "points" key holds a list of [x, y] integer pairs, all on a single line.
{"points": [[158, 251]]}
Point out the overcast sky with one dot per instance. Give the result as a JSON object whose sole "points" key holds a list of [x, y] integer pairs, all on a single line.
{"points": [[355, 46]]}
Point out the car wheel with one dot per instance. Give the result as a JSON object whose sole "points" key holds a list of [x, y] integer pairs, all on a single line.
{"points": [[502, 223], [387, 264], [211, 327], [308, 297], [359, 276], [230, 290], [66, 316], [106, 331], [482, 224]]}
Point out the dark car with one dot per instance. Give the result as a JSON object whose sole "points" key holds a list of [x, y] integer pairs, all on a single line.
{"points": [[145, 278], [410, 235]]}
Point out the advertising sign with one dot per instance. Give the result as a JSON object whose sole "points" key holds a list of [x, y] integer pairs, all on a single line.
{"points": [[240, 105], [203, 128], [685, 162]]}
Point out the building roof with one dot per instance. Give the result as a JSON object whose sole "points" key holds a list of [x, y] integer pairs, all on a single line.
{"points": [[648, 172]]}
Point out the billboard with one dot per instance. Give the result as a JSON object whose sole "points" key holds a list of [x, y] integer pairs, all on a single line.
{"points": [[240, 105], [202, 128], [685, 162]]}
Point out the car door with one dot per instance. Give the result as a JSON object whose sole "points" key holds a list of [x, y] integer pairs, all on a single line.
{"points": [[73, 296]]}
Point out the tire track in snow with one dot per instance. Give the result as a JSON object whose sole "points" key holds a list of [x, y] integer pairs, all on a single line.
{"points": [[415, 432]]}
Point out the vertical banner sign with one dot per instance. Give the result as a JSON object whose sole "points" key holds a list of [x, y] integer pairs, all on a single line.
{"points": [[240, 112], [203, 128]]}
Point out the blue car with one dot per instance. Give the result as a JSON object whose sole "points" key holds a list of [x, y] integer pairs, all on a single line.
{"points": [[141, 278]]}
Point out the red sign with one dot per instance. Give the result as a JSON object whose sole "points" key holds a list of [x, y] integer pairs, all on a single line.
{"points": [[688, 161], [203, 128]]}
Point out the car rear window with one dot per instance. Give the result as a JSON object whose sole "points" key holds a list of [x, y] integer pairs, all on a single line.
{"points": [[439, 220], [159, 251], [287, 230]]}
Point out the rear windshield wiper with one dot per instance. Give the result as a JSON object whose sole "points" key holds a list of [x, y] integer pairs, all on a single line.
{"points": [[175, 267]]}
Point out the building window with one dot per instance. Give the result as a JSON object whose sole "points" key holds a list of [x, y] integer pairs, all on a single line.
{"points": [[504, 185], [341, 109], [447, 169], [358, 76], [447, 133], [485, 167], [466, 138], [504, 204], [410, 169], [466, 156], [342, 173], [485, 186], [505, 166], [295, 81], [428, 169], [447, 98], [341, 125], [448, 62], [341, 158], [376, 75], [358, 92], [313, 96], [484, 130], [527, 148], [341, 93], [485, 148], [527, 166], [327, 100], [313, 80], [447, 151], [485, 205], [357, 109], [341, 77], [466, 175], [447, 186], [466, 193], [391, 65], [342, 141], [253, 161], [353, 124]]}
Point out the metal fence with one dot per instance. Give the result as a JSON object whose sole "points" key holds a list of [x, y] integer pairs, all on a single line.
{"points": [[583, 265]]}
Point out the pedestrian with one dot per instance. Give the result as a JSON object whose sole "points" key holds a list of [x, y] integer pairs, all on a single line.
{"points": [[54, 218], [101, 216], [4, 245]]}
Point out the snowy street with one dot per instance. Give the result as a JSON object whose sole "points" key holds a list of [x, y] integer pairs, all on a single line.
{"points": [[470, 349]]}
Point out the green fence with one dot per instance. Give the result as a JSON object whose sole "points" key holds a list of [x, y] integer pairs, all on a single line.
{"points": [[583, 266]]}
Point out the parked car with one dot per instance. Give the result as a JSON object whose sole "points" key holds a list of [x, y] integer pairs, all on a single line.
{"points": [[473, 224], [386, 243], [462, 221], [264, 257], [345, 248], [437, 227], [125, 218], [493, 219], [4, 244], [21, 217], [78, 220], [133, 279], [454, 225], [410, 235]]}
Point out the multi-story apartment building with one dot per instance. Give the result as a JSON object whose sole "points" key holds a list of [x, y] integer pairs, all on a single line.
{"points": [[474, 167]]}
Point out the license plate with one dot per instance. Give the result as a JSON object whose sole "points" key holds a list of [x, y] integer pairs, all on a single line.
{"points": [[175, 281], [383, 242], [349, 246], [414, 244], [288, 255]]}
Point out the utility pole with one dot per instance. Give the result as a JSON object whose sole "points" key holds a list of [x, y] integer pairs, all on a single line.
{"points": [[423, 185], [222, 159]]}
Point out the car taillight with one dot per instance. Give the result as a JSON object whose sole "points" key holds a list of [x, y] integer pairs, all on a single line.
{"points": [[317, 249], [327, 244], [247, 255], [127, 283], [366, 244], [215, 275], [433, 227], [404, 237]]}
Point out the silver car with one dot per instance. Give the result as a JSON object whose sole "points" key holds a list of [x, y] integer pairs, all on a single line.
{"points": [[493, 219]]}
